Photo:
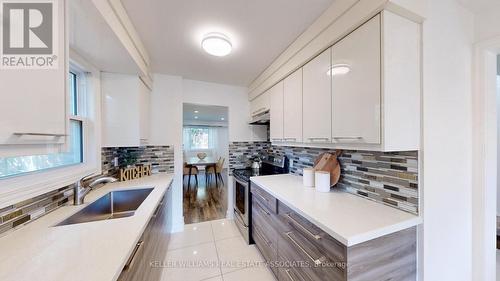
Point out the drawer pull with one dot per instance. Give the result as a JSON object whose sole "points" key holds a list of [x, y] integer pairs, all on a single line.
{"points": [[131, 260], [264, 198], [315, 236], [264, 211], [287, 271], [316, 262], [261, 236]]}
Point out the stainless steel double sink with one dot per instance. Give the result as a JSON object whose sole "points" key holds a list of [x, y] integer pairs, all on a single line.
{"points": [[113, 205]]}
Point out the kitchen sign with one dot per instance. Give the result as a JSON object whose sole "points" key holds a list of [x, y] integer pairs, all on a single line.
{"points": [[134, 173], [29, 34]]}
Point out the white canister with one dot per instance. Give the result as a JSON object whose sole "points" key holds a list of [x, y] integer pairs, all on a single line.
{"points": [[308, 177], [322, 181]]}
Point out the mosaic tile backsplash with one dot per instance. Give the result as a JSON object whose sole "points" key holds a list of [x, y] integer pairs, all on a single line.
{"points": [[390, 178], [161, 159], [241, 153]]}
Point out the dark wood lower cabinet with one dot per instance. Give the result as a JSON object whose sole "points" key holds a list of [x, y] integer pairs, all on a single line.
{"points": [[149, 252], [298, 250]]}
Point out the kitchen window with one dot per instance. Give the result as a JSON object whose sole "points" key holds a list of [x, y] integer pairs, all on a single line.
{"points": [[198, 138], [73, 151]]}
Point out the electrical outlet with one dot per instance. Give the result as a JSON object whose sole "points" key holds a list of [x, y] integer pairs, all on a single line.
{"points": [[291, 163], [115, 161]]}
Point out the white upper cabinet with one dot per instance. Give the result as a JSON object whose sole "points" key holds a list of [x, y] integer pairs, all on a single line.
{"points": [[276, 126], [356, 94], [362, 93], [292, 106], [125, 110], [317, 100], [260, 104], [376, 105], [33, 104]]}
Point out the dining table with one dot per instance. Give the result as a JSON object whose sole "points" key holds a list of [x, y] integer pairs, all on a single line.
{"points": [[205, 162]]}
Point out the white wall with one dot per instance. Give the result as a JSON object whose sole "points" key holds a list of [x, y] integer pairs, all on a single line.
{"points": [[488, 22], [166, 129], [447, 186], [235, 98], [498, 142], [168, 95]]}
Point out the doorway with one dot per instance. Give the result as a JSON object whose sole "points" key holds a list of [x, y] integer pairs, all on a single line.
{"points": [[205, 158], [486, 118]]}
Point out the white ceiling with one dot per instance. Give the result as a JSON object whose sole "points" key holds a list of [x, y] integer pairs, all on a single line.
{"points": [[91, 37], [259, 29], [205, 113], [480, 6]]}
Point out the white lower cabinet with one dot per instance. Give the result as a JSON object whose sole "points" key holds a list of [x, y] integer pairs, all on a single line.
{"points": [[276, 112], [317, 100], [292, 107], [125, 110]]}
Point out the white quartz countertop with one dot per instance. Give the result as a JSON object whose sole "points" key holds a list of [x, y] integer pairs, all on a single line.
{"points": [[87, 251], [348, 218]]}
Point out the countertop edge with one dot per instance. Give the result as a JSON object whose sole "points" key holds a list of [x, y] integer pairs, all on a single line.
{"points": [[352, 241]]}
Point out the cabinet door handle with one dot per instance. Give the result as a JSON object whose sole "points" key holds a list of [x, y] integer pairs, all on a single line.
{"points": [[131, 260], [318, 139], [348, 138], [276, 139], [41, 135], [287, 271], [158, 209], [290, 139], [315, 261], [315, 236]]}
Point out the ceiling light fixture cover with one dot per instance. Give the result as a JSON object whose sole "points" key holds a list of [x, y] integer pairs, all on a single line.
{"points": [[339, 69], [216, 44]]}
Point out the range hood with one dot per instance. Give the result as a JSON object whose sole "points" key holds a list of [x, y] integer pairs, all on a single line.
{"points": [[261, 118]]}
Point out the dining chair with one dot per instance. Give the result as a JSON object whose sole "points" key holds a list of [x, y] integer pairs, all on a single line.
{"points": [[189, 171], [215, 172]]}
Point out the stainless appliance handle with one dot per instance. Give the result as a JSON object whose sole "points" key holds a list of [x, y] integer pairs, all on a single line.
{"points": [[316, 261], [315, 236]]}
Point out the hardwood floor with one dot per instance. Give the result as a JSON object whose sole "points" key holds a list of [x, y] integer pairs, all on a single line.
{"points": [[205, 203]]}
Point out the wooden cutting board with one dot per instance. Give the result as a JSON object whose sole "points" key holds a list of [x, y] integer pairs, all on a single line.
{"points": [[328, 162]]}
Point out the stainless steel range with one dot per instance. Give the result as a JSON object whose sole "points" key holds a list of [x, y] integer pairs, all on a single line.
{"points": [[271, 165]]}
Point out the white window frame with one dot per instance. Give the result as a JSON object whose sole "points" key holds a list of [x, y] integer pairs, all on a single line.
{"points": [[22, 187]]}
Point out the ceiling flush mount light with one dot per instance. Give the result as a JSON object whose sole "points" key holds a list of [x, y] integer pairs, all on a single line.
{"points": [[196, 111], [222, 118], [339, 69], [216, 44], [196, 117]]}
